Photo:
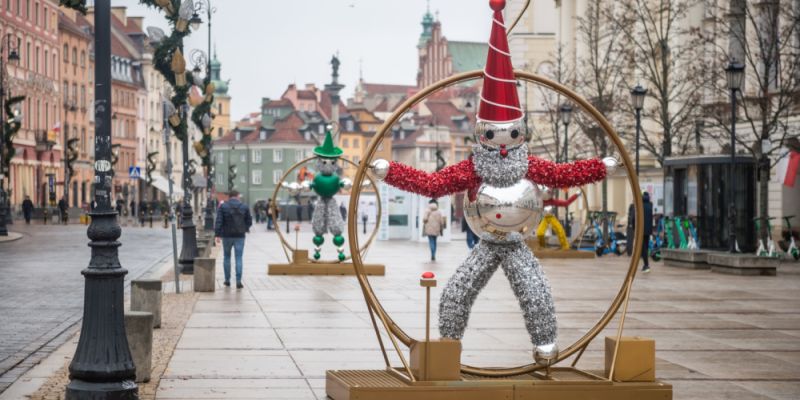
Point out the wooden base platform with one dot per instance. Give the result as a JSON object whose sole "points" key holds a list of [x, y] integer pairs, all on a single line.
{"points": [[310, 268], [558, 253], [562, 384]]}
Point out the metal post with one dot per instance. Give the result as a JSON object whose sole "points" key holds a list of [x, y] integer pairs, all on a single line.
{"points": [[170, 206], [566, 160], [731, 194], [210, 211], [4, 209], [189, 237], [638, 129], [102, 367]]}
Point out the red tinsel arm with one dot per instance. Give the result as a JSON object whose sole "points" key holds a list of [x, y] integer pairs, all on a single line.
{"points": [[577, 173], [561, 203], [453, 179]]}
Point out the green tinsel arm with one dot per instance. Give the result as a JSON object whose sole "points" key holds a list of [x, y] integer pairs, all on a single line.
{"points": [[79, 5], [10, 129]]}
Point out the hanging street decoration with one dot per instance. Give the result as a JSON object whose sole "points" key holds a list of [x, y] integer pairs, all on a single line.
{"points": [[10, 128]]}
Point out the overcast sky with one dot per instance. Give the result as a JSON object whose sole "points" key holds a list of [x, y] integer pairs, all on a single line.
{"points": [[265, 45]]}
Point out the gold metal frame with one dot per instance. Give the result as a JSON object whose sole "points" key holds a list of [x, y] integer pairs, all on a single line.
{"points": [[285, 243], [621, 299]]}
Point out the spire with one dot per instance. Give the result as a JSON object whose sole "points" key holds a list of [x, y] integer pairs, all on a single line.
{"points": [[427, 26]]}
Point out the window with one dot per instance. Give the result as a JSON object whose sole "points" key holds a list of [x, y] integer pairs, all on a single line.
{"points": [[276, 176], [350, 125], [256, 177], [220, 158], [36, 60], [65, 52], [74, 56], [256, 156], [355, 143], [277, 155], [242, 179], [262, 135], [36, 14], [243, 158], [345, 143], [220, 132], [83, 59], [66, 91], [298, 155], [83, 96], [46, 56]]}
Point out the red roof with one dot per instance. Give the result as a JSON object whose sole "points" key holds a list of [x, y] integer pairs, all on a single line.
{"points": [[287, 130], [382, 88], [306, 95], [326, 105], [442, 113]]}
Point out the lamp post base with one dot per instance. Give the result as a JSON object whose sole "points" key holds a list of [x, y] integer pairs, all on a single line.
{"points": [[4, 214], [188, 242], [83, 390]]}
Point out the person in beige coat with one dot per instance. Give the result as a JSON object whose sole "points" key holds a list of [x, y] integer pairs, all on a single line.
{"points": [[433, 226]]}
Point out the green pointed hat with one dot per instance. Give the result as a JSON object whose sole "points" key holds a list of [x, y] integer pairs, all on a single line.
{"points": [[328, 150]]}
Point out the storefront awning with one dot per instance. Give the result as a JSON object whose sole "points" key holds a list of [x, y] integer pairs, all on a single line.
{"points": [[160, 182]]}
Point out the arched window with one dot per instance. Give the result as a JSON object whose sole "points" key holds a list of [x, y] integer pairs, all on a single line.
{"points": [[46, 57], [83, 59], [66, 53], [74, 56]]}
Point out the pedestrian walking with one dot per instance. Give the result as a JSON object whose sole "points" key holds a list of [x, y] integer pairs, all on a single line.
{"points": [[27, 209], [120, 207], [270, 217], [433, 226], [472, 238], [343, 211], [648, 230], [233, 223], [142, 212], [133, 208], [629, 230], [62, 210]]}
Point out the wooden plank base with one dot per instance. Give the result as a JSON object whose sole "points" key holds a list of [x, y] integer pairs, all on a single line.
{"points": [[571, 254], [563, 384], [309, 268]]}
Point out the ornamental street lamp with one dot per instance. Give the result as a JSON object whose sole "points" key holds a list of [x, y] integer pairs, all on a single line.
{"points": [[4, 200], [565, 114], [69, 105], [102, 367], [189, 240], [734, 73], [637, 99]]}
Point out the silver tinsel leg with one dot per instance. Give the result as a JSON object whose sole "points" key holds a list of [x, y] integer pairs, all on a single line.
{"points": [[463, 287], [318, 218], [334, 217], [533, 292]]}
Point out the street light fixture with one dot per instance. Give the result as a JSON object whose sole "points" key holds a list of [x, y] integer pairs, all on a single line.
{"points": [[102, 367], [4, 201], [565, 114], [734, 73], [637, 99]]}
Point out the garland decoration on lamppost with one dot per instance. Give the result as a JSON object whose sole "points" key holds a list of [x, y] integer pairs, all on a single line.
{"points": [[11, 126]]}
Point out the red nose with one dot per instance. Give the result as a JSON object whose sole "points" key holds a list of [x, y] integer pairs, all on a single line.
{"points": [[503, 153]]}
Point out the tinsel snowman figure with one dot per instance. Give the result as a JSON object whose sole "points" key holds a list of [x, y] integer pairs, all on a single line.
{"points": [[326, 217], [504, 202]]}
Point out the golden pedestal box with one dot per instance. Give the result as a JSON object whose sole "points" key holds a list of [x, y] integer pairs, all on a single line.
{"points": [[636, 359], [302, 265]]}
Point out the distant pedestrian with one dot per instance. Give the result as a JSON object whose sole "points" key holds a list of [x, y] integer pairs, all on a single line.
{"points": [[472, 238], [343, 211], [120, 207], [233, 223], [27, 209], [648, 230], [142, 212], [629, 230], [433, 226], [270, 217], [62, 210], [133, 208]]}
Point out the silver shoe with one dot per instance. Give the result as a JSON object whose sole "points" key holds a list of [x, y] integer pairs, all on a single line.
{"points": [[546, 355]]}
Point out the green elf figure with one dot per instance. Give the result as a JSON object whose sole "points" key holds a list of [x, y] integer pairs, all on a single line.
{"points": [[326, 216]]}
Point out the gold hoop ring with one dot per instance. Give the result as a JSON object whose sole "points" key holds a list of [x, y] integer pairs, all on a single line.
{"points": [[621, 297], [285, 243]]}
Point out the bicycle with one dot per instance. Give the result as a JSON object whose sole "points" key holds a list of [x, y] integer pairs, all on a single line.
{"points": [[657, 240], [792, 249], [769, 250]]}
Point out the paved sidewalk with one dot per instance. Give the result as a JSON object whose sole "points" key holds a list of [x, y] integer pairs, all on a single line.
{"points": [[717, 336]]}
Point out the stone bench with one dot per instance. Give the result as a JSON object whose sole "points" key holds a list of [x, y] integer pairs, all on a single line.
{"points": [[146, 296], [742, 264], [139, 331], [205, 274], [685, 258]]}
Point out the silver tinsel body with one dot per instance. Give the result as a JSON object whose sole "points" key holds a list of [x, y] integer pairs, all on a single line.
{"points": [[522, 269], [527, 280], [326, 217]]}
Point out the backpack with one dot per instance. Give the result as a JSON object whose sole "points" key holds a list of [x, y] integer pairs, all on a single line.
{"points": [[237, 225]]}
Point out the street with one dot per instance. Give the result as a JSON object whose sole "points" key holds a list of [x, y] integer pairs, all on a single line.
{"points": [[42, 295]]}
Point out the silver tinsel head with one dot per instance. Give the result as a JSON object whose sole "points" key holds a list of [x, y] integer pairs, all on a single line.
{"points": [[497, 170]]}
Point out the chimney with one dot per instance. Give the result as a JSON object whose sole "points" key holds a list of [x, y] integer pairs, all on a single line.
{"points": [[137, 21], [119, 12]]}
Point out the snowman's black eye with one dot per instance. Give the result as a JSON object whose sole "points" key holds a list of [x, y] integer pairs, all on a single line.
{"points": [[514, 134], [489, 135]]}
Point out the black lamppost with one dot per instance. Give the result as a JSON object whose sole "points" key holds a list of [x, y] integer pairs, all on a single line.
{"points": [[69, 105], [189, 240], [13, 56], [637, 99], [734, 74], [102, 367], [565, 114]]}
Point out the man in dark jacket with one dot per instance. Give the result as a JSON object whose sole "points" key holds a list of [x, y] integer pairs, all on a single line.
{"points": [[27, 209], [62, 211], [648, 230], [233, 222]]}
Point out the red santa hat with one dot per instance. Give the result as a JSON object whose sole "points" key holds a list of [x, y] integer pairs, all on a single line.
{"points": [[499, 100]]}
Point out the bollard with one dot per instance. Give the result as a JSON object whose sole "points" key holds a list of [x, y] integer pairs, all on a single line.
{"points": [[146, 296], [45, 216], [204, 274], [139, 330]]}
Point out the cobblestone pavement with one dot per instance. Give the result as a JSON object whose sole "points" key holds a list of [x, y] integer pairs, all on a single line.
{"points": [[718, 337], [41, 300]]}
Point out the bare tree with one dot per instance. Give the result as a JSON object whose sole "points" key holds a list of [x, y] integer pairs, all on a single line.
{"points": [[666, 60], [765, 37], [601, 65], [550, 137]]}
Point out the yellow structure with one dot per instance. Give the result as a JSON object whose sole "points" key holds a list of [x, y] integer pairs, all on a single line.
{"points": [[552, 221]]}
